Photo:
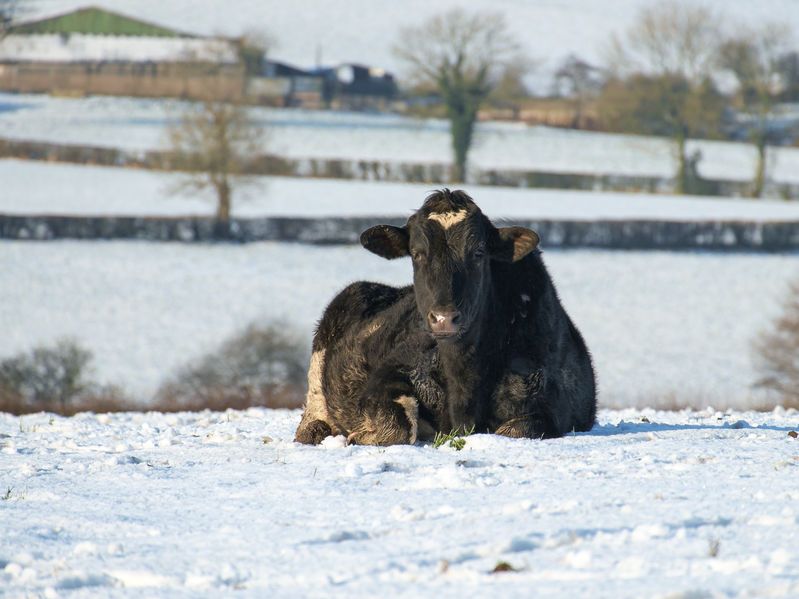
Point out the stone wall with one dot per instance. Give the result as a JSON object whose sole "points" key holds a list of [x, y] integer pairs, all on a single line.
{"points": [[435, 174], [633, 234], [198, 81]]}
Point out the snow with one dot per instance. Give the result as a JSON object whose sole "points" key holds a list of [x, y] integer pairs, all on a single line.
{"points": [[46, 188], [664, 328], [79, 47], [364, 30], [138, 125], [647, 504]]}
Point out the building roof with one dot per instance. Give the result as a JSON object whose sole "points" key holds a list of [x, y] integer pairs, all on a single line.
{"points": [[95, 21]]}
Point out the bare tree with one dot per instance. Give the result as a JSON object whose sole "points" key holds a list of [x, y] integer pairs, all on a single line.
{"points": [[578, 80], [253, 47], [789, 74], [777, 352], [464, 56], [755, 57], [263, 365], [214, 142], [675, 46], [46, 376], [10, 13], [669, 38], [510, 90]]}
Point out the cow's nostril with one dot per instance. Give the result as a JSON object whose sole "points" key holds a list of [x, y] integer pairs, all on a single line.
{"points": [[445, 322]]}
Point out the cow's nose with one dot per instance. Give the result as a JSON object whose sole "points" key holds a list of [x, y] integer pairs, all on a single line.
{"points": [[444, 323]]}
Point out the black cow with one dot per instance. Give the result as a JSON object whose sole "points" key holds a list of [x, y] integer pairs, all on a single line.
{"points": [[480, 339]]}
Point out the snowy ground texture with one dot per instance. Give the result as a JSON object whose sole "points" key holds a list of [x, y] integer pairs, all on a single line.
{"points": [[44, 188], [648, 504]]}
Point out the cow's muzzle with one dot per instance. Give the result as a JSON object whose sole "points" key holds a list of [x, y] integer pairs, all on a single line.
{"points": [[444, 323]]}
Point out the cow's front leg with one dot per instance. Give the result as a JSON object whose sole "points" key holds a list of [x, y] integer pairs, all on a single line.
{"points": [[531, 426], [389, 411], [523, 406], [388, 422]]}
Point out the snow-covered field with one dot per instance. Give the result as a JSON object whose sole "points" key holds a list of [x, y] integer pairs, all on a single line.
{"points": [[648, 504], [663, 327], [138, 124], [45, 188], [364, 30]]}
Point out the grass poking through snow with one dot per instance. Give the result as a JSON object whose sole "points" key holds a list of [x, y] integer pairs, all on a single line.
{"points": [[456, 438]]}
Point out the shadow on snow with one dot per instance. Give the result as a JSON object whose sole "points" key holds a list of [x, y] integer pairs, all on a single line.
{"points": [[631, 428]]}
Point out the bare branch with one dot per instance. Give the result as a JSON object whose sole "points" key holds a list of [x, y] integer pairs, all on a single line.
{"points": [[776, 352], [11, 11], [213, 144], [669, 38], [464, 56], [475, 47], [753, 56]]}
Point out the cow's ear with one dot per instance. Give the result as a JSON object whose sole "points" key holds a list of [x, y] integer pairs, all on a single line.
{"points": [[386, 241], [513, 243]]}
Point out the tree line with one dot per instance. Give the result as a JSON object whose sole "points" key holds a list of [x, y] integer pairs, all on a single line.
{"points": [[676, 72]]}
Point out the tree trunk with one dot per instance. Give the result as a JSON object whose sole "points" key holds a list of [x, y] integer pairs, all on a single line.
{"points": [[223, 201], [681, 184], [577, 119], [760, 170], [461, 118]]}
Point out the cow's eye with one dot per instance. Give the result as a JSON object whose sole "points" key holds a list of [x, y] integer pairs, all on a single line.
{"points": [[417, 255], [479, 254]]}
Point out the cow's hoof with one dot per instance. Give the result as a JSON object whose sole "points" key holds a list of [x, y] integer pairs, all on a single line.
{"points": [[515, 429], [530, 427], [364, 435], [397, 424], [313, 433]]}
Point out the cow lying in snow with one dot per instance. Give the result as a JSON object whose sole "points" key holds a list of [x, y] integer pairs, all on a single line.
{"points": [[480, 339]]}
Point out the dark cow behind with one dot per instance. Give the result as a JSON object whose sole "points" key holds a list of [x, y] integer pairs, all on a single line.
{"points": [[480, 339]]}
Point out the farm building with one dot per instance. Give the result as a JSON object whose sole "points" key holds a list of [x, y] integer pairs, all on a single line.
{"points": [[356, 86], [282, 84], [348, 86], [95, 51]]}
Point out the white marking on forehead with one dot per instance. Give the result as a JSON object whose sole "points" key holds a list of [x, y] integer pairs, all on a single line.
{"points": [[447, 219]]}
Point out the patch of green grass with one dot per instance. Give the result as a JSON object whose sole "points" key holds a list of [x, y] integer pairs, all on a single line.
{"points": [[28, 428], [458, 443], [455, 438]]}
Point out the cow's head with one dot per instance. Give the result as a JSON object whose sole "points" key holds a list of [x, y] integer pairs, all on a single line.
{"points": [[452, 245]]}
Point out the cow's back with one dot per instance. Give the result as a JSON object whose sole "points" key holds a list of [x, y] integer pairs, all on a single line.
{"points": [[351, 310]]}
